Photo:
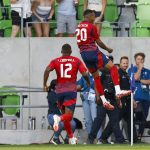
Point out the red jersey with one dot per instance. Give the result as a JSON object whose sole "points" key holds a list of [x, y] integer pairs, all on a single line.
{"points": [[66, 68], [86, 34]]}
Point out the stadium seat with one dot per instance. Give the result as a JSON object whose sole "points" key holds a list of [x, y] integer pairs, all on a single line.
{"points": [[6, 2], [6, 26], [111, 11], [7, 9], [107, 30], [140, 29], [80, 10], [1, 15], [143, 9], [55, 10], [143, 1], [10, 98]]}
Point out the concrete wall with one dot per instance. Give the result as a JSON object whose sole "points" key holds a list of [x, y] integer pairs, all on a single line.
{"points": [[23, 60]]}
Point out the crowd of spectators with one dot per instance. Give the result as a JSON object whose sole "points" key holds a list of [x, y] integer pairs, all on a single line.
{"points": [[38, 15]]}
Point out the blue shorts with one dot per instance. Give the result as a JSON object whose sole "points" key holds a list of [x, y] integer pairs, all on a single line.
{"points": [[67, 99], [94, 60]]}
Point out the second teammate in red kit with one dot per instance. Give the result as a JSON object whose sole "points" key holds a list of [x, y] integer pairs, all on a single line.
{"points": [[87, 41], [66, 68]]}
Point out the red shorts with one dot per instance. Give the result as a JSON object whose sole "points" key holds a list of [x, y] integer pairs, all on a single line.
{"points": [[67, 99]]}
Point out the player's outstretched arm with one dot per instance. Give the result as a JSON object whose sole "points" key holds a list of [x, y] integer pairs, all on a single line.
{"points": [[46, 75], [102, 45]]}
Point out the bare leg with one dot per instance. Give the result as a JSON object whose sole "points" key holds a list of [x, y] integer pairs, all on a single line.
{"points": [[100, 91], [45, 29], [38, 30], [28, 32], [15, 30]]}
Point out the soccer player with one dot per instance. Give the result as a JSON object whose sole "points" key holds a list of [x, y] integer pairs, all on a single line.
{"points": [[66, 68], [87, 38]]}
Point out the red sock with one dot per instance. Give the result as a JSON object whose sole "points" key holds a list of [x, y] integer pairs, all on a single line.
{"points": [[68, 128], [98, 85], [114, 75], [66, 117]]}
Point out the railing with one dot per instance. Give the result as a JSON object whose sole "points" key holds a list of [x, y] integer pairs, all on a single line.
{"points": [[22, 96]]}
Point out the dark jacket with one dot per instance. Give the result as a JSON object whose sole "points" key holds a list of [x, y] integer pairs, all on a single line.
{"points": [[52, 103], [125, 85], [108, 86]]}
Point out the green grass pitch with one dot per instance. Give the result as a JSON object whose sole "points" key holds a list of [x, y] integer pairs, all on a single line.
{"points": [[75, 147]]}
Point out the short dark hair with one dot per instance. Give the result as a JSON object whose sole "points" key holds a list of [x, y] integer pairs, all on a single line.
{"points": [[87, 12], [66, 49], [124, 57], [139, 54]]}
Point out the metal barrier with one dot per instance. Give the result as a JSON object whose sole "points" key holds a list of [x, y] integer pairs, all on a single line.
{"points": [[21, 106]]}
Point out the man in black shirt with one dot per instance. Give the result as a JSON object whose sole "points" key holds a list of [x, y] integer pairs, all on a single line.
{"points": [[101, 111], [125, 110]]}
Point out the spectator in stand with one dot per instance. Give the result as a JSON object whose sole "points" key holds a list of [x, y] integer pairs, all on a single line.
{"points": [[99, 7], [54, 110], [66, 17], [142, 82], [43, 11], [21, 8]]}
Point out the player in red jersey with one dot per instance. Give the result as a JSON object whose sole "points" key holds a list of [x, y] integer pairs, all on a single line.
{"points": [[66, 68], [87, 38]]}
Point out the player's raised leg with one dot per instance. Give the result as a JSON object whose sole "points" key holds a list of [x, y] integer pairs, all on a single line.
{"points": [[115, 77]]}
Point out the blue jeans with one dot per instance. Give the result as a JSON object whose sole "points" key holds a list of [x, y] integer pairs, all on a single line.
{"points": [[61, 125], [90, 112]]}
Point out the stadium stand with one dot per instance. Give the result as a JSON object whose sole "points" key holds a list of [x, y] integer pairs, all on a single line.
{"points": [[113, 12]]}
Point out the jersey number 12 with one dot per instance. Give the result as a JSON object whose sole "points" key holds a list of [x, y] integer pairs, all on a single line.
{"points": [[64, 71]]}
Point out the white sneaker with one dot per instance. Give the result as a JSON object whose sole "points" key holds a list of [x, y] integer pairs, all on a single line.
{"points": [[123, 93], [56, 122], [73, 140]]}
